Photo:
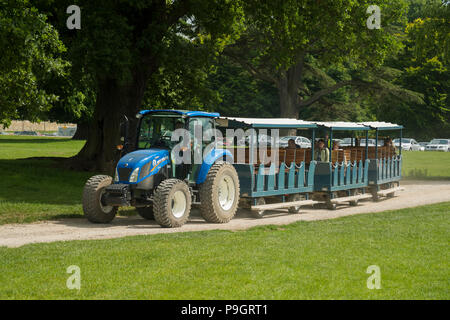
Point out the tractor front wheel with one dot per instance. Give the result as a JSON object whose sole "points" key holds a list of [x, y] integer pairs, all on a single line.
{"points": [[219, 194], [172, 203], [94, 209]]}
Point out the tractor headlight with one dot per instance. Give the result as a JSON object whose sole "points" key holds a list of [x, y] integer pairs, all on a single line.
{"points": [[116, 177], [134, 175]]}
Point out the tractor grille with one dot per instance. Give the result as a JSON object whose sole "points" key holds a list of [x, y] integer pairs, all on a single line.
{"points": [[145, 170], [124, 173]]}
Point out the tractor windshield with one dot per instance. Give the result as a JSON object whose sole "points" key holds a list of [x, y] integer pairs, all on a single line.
{"points": [[156, 130]]}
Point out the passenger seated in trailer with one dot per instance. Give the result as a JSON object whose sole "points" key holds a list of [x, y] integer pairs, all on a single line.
{"points": [[336, 147], [390, 145], [322, 154], [292, 144], [327, 141]]}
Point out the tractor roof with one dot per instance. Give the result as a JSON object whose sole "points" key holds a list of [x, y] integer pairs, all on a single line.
{"points": [[186, 113]]}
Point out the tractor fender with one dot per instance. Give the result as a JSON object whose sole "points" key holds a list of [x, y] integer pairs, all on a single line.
{"points": [[210, 159]]}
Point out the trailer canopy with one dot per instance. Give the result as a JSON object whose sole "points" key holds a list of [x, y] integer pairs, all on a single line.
{"points": [[377, 125], [340, 125], [289, 123]]}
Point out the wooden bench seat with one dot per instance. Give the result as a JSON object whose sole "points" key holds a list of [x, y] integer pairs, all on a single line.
{"points": [[284, 155]]}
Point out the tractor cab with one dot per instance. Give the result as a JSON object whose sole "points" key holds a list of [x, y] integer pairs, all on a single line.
{"points": [[169, 144]]}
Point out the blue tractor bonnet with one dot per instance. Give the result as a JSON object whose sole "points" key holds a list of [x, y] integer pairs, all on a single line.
{"points": [[152, 159]]}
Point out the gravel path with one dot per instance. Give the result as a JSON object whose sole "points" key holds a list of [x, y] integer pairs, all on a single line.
{"points": [[416, 193]]}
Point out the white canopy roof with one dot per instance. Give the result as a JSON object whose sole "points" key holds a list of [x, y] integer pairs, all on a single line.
{"points": [[341, 125], [295, 123], [270, 122], [382, 125]]}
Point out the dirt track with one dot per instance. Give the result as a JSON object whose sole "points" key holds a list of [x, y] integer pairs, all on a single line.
{"points": [[416, 193]]}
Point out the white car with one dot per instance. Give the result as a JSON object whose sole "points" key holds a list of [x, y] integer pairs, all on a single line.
{"points": [[302, 142], [423, 145], [438, 145], [362, 142], [407, 144], [347, 142]]}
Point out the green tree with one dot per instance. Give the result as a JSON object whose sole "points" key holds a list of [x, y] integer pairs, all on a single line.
{"points": [[241, 94], [290, 44], [30, 57], [422, 68], [122, 44]]}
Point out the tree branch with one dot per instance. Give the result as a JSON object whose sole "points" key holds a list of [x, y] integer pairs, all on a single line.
{"points": [[251, 69], [321, 93]]}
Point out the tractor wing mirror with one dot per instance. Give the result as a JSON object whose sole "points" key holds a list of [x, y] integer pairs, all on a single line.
{"points": [[124, 128], [124, 133]]}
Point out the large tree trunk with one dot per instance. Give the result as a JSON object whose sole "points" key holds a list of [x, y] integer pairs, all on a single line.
{"points": [[82, 131], [114, 100], [99, 152], [288, 89]]}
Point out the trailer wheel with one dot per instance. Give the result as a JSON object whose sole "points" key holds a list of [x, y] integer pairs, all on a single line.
{"points": [[295, 197], [146, 212], [392, 194], [219, 194], [331, 206], [259, 213], [93, 207], [354, 202]]}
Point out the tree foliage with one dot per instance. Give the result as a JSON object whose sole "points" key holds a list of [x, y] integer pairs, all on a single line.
{"points": [[30, 58]]}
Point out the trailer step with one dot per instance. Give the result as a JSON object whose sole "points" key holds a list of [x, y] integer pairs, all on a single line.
{"points": [[351, 198], [283, 205], [391, 190]]}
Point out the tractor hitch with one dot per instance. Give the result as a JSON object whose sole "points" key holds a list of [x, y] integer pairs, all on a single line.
{"points": [[117, 195]]}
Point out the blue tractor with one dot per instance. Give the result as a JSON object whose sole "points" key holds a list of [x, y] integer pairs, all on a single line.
{"points": [[161, 187]]}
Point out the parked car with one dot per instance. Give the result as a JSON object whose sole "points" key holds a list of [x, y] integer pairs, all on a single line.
{"points": [[407, 144], [347, 142], [25, 133], [438, 145], [423, 145], [362, 143], [262, 139], [302, 142]]}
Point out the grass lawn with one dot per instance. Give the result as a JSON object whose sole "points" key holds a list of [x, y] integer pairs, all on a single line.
{"points": [[427, 165], [32, 190], [305, 260]]}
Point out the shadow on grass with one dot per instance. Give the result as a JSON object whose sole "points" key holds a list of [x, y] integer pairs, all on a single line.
{"points": [[37, 140], [422, 174], [40, 182]]}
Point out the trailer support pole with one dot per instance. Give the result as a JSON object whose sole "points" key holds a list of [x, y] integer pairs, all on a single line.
{"points": [[313, 142], [367, 145], [401, 137]]}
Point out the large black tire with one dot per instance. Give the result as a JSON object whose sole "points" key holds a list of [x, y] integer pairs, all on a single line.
{"points": [[165, 204], [211, 209], [93, 208], [146, 212]]}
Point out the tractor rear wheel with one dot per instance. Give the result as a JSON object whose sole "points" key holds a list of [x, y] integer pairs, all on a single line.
{"points": [[94, 209], [172, 203], [146, 212], [219, 194]]}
